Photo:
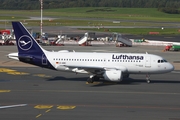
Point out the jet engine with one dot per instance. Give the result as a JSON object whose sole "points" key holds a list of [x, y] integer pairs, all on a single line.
{"points": [[113, 75]]}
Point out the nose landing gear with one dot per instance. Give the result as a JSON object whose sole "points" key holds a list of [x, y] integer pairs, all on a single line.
{"points": [[148, 78]]}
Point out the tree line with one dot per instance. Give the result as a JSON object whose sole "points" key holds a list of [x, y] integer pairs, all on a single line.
{"points": [[168, 6]]}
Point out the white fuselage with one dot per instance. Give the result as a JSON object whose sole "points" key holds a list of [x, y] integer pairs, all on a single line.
{"points": [[126, 62]]}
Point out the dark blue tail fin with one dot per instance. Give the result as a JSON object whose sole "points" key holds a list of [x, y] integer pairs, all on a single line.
{"points": [[24, 40], [29, 51]]}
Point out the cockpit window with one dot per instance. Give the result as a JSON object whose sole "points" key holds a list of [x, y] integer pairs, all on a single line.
{"points": [[165, 60], [162, 61]]}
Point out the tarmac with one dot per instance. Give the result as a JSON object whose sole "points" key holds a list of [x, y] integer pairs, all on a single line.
{"points": [[54, 95]]}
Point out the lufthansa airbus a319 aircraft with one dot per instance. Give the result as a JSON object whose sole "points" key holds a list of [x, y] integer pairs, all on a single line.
{"points": [[107, 66]]}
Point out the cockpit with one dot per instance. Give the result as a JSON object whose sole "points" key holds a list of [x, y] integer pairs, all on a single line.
{"points": [[162, 61]]}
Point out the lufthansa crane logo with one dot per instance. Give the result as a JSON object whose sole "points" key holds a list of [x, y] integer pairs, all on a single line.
{"points": [[25, 42]]}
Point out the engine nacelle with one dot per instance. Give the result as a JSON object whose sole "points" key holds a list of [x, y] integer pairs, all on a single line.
{"points": [[113, 75]]}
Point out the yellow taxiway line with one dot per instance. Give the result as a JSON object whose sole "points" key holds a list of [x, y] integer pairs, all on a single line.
{"points": [[2, 91], [66, 107], [43, 106]]}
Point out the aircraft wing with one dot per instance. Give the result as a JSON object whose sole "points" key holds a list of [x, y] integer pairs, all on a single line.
{"points": [[95, 70]]}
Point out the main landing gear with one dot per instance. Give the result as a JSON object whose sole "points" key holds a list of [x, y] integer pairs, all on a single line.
{"points": [[148, 78], [92, 78]]}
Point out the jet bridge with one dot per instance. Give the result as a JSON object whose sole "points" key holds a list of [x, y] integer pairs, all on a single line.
{"points": [[7, 39], [120, 39], [86, 39], [59, 41], [83, 39]]}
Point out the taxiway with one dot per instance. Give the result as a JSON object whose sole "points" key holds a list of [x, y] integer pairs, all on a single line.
{"points": [[66, 96]]}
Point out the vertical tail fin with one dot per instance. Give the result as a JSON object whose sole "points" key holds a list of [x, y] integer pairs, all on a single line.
{"points": [[24, 40], [29, 51]]}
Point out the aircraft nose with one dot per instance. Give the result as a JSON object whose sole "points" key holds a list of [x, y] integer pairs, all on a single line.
{"points": [[171, 67]]}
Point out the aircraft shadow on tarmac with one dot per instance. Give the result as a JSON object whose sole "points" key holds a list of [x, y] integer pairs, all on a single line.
{"points": [[60, 78], [131, 81], [127, 81]]}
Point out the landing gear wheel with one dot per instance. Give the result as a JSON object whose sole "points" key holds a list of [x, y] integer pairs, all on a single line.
{"points": [[95, 78], [148, 81], [126, 76], [148, 78], [90, 80]]}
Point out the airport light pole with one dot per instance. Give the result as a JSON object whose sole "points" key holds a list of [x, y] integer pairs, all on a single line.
{"points": [[41, 16]]}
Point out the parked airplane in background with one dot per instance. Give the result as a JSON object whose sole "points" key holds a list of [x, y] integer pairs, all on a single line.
{"points": [[109, 66]]}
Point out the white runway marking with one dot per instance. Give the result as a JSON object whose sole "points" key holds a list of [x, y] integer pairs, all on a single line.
{"points": [[11, 106]]}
